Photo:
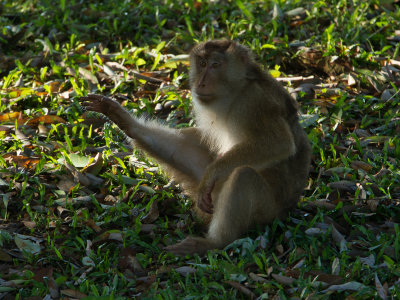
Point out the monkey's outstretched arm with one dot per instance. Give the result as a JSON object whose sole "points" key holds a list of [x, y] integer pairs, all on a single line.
{"points": [[179, 149]]}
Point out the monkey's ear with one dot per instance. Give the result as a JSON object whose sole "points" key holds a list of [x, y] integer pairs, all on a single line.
{"points": [[253, 71]]}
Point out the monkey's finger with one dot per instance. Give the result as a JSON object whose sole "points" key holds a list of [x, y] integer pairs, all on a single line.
{"points": [[95, 97], [90, 106]]}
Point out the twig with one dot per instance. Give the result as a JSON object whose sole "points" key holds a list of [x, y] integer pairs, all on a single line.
{"points": [[298, 78]]}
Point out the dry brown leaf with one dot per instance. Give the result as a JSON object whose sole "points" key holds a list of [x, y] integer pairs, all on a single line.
{"points": [[283, 279], [152, 215], [116, 236], [382, 172], [314, 231], [91, 223], [343, 185], [337, 236], [185, 270], [300, 263], [78, 176], [66, 183], [348, 286], [46, 119], [280, 249], [373, 204], [336, 266], [73, 293], [43, 272], [144, 283], [257, 278], [95, 166], [22, 161], [88, 75], [4, 128], [13, 116], [128, 260], [147, 228], [47, 273], [356, 165], [241, 288], [29, 224], [4, 256], [316, 275], [62, 211]]}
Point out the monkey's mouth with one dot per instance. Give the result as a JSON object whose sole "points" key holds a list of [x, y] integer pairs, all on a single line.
{"points": [[204, 97]]}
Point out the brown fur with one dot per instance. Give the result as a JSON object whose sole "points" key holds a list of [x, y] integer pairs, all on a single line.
{"points": [[247, 160]]}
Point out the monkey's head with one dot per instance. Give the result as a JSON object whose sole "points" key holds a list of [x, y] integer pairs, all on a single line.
{"points": [[217, 69]]}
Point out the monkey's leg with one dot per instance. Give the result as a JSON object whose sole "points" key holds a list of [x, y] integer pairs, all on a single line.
{"points": [[245, 200]]}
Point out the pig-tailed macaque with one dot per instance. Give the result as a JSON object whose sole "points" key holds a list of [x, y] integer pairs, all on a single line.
{"points": [[246, 162]]}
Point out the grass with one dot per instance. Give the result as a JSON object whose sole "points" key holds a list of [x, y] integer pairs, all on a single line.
{"points": [[84, 216]]}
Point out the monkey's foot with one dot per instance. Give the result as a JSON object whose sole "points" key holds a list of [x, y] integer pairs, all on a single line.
{"points": [[205, 200], [191, 245], [100, 103]]}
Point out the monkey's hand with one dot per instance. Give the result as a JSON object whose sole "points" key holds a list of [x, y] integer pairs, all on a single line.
{"points": [[204, 200], [100, 103]]}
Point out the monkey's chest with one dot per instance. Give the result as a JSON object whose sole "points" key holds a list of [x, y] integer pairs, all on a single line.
{"points": [[221, 136]]}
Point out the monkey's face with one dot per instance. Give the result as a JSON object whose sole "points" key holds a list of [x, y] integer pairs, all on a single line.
{"points": [[208, 76], [215, 70]]}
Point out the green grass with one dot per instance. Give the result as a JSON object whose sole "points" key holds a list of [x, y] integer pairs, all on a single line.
{"points": [[82, 215]]}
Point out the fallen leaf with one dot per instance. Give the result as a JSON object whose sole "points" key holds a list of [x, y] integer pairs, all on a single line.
{"points": [[314, 231], [85, 73], [80, 161], [78, 176], [29, 224], [152, 215], [22, 161], [47, 273], [87, 261], [338, 238], [127, 260], [348, 286], [356, 165], [316, 275], [46, 119], [283, 279], [25, 243], [369, 261], [185, 270], [13, 116], [147, 228], [4, 256], [343, 185], [241, 288], [73, 293], [91, 223], [94, 166], [144, 283], [382, 293], [336, 266], [43, 273], [257, 278], [373, 204]]}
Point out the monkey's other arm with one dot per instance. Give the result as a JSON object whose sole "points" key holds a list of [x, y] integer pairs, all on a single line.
{"points": [[181, 150]]}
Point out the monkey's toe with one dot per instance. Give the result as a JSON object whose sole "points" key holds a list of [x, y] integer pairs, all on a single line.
{"points": [[190, 246]]}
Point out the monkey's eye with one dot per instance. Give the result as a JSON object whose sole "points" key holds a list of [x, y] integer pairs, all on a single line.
{"points": [[215, 65], [203, 63]]}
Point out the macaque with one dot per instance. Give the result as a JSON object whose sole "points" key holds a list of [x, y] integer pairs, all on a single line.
{"points": [[247, 160]]}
